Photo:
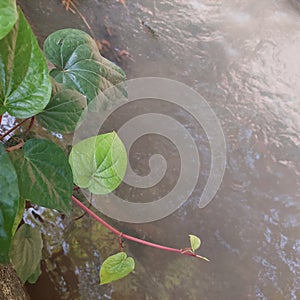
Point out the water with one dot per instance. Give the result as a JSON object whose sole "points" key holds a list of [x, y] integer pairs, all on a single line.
{"points": [[243, 57]]}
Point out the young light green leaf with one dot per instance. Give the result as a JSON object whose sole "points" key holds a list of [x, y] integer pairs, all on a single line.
{"points": [[9, 16], [63, 111], [99, 163], [9, 202], [26, 251], [25, 86], [79, 64], [44, 174], [116, 267], [195, 242]]}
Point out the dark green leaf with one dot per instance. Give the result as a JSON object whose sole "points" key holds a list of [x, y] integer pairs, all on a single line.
{"points": [[116, 267], [9, 16], [26, 251], [79, 64], [63, 111], [25, 86], [195, 242], [35, 276], [9, 202], [45, 176], [99, 163]]}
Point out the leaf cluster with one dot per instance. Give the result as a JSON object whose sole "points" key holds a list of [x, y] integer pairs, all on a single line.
{"points": [[38, 171]]}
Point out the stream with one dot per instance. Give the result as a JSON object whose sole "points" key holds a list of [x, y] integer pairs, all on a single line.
{"points": [[243, 58]]}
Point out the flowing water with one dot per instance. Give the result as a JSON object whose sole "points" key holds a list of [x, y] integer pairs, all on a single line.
{"points": [[244, 58]]}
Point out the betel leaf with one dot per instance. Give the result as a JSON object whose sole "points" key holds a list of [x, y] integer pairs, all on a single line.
{"points": [[45, 176], [26, 251], [63, 111], [78, 63], [99, 163], [8, 17], [25, 86], [195, 242], [9, 202], [116, 267]]}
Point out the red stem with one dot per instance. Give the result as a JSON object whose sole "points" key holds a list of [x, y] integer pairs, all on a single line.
{"points": [[0, 119], [132, 238], [30, 125], [13, 129]]}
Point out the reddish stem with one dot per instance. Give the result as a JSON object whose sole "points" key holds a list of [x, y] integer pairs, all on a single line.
{"points": [[132, 238], [18, 146], [30, 125], [0, 119], [12, 129]]}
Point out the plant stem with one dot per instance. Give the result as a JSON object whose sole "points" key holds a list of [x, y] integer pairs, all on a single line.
{"points": [[132, 238], [30, 125], [0, 119], [12, 129]]}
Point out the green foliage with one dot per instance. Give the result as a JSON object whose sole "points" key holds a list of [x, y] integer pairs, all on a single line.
{"points": [[195, 242], [26, 252], [45, 176], [63, 111], [9, 16], [116, 267], [25, 87], [39, 171], [79, 64], [9, 202], [99, 163]]}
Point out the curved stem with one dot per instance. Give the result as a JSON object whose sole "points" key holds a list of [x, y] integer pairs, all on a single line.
{"points": [[132, 238], [18, 146]]}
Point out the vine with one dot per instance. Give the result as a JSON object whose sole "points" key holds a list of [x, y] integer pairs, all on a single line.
{"points": [[37, 170]]}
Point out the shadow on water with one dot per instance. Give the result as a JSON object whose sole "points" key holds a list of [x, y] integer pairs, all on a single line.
{"points": [[243, 57]]}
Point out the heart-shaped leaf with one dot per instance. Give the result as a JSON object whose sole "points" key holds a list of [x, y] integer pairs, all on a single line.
{"points": [[79, 64], [99, 163], [195, 242], [25, 86], [9, 202], [26, 251], [116, 267], [63, 111], [45, 176], [9, 16]]}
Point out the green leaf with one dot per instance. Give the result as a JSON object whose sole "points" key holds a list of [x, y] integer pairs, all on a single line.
{"points": [[79, 64], [35, 275], [25, 86], [45, 176], [9, 202], [99, 163], [116, 267], [26, 251], [19, 215], [195, 242], [63, 111], [9, 16]]}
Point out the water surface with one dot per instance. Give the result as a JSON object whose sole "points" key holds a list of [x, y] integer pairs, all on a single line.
{"points": [[243, 57]]}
